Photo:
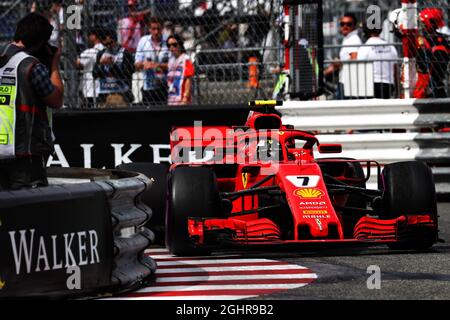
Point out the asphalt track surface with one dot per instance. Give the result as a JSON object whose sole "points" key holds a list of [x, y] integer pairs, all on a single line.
{"points": [[342, 273], [305, 273]]}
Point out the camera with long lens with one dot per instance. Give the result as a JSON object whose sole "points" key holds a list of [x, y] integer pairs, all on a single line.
{"points": [[45, 54]]}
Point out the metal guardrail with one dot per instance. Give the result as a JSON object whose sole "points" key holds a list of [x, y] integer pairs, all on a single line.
{"points": [[391, 147], [366, 114], [383, 130]]}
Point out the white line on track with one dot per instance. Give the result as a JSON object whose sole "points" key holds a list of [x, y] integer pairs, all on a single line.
{"points": [[196, 261], [216, 297], [223, 287], [239, 277], [218, 277], [224, 268]]}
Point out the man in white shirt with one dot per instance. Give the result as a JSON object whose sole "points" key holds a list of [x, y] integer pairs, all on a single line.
{"points": [[349, 50], [384, 57], [88, 86]]}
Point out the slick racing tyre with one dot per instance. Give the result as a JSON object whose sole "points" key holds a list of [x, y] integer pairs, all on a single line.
{"points": [[409, 190], [193, 192], [155, 197]]}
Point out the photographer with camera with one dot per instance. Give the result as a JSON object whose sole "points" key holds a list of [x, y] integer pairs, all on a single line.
{"points": [[30, 82], [114, 70]]}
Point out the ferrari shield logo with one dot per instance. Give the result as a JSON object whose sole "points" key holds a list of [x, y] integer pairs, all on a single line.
{"points": [[245, 179]]}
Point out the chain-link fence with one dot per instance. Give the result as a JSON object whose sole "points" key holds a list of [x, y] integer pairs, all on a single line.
{"points": [[235, 50]]}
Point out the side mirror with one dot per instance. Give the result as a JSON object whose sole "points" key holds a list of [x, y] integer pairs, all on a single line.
{"points": [[330, 148]]}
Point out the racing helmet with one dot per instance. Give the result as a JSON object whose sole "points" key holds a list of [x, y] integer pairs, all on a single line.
{"points": [[432, 18]]}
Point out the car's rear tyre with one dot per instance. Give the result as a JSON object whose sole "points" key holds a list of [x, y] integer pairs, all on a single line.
{"points": [[156, 196], [193, 192], [409, 189]]}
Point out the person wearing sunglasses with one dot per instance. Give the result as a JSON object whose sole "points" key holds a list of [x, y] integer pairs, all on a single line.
{"points": [[180, 72], [349, 51]]}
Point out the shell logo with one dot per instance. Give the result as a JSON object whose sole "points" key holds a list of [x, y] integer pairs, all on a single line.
{"points": [[308, 193]]}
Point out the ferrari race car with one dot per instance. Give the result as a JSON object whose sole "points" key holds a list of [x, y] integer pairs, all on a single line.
{"points": [[260, 184]]}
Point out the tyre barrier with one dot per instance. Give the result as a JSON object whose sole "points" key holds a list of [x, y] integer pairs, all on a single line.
{"points": [[156, 197], [82, 236]]}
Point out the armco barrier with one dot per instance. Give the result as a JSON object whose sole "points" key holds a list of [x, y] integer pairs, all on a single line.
{"points": [[75, 239], [367, 114], [367, 130]]}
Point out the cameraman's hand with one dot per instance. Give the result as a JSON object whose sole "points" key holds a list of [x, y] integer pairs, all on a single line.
{"points": [[55, 99], [56, 60]]}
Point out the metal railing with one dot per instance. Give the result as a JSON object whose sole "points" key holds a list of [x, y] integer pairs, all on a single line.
{"points": [[360, 76]]}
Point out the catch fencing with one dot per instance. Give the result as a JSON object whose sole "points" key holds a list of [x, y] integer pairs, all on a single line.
{"points": [[236, 46]]}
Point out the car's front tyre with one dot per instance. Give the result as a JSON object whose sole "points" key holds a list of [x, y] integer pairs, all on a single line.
{"points": [[409, 190], [193, 192]]}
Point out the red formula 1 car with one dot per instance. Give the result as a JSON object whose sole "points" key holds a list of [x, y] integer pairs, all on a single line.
{"points": [[260, 184]]}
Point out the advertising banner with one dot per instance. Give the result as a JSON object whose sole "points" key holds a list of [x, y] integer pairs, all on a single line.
{"points": [[55, 240], [107, 138]]}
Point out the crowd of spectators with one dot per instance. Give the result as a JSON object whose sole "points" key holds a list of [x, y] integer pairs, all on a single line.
{"points": [[138, 46], [141, 55]]}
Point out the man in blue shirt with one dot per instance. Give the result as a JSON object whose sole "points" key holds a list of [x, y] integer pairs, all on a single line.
{"points": [[152, 56]]}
